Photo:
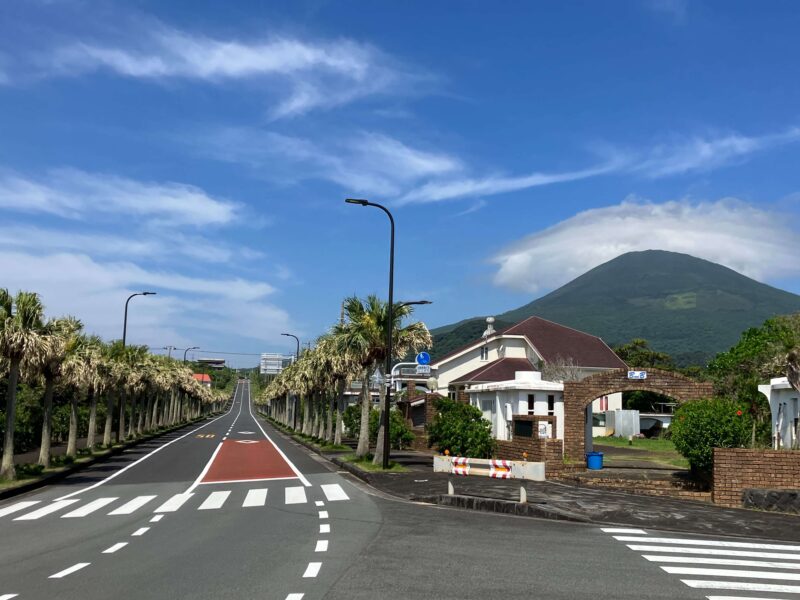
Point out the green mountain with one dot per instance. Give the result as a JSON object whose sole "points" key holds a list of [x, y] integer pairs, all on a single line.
{"points": [[685, 306]]}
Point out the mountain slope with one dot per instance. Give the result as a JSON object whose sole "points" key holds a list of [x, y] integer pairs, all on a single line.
{"points": [[686, 306]]}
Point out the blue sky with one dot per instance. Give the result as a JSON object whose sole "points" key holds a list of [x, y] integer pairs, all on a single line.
{"points": [[205, 151]]}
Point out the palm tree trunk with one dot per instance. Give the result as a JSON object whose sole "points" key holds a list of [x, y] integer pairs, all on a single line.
{"points": [[306, 415], [109, 420], [92, 418], [47, 421], [140, 417], [72, 437], [148, 413], [315, 410], [121, 424], [331, 411], [337, 437], [7, 470], [132, 417], [366, 405]]}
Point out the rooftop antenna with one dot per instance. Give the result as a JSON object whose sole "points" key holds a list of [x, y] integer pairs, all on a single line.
{"points": [[489, 327]]}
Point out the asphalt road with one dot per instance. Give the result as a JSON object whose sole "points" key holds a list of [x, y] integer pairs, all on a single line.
{"points": [[233, 509]]}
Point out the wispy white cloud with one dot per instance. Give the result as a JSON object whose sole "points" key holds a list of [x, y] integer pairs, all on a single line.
{"points": [[74, 194], [676, 9], [308, 74], [745, 238]]}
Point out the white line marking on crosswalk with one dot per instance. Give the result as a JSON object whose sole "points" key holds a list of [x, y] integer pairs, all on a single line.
{"points": [[89, 508], [133, 505], [334, 492], [8, 510], [289, 597], [742, 585], [322, 546], [115, 547], [323, 514], [156, 519], [749, 574], [312, 570], [714, 552], [324, 528], [722, 561], [141, 531], [10, 596], [692, 542], [174, 503], [215, 500], [295, 495], [623, 530], [66, 572], [319, 503], [255, 497], [46, 510], [740, 598]]}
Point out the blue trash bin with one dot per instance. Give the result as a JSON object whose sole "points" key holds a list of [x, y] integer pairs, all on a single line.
{"points": [[594, 460]]}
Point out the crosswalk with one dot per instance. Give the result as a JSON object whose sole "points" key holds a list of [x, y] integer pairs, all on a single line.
{"points": [[736, 569], [112, 506]]}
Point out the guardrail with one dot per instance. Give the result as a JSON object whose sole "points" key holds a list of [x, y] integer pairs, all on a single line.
{"points": [[489, 467]]}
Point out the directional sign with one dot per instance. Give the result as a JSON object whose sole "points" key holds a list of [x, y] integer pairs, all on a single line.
{"points": [[423, 358], [423, 369], [637, 374]]}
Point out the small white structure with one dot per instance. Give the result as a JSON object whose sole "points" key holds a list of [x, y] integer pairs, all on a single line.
{"points": [[784, 402], [526, 394]]}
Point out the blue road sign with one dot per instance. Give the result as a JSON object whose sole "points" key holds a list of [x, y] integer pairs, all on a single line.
{"points": [[423, 358]]}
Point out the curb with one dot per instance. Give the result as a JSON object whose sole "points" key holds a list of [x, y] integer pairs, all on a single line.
{"points": [[75, 468]]}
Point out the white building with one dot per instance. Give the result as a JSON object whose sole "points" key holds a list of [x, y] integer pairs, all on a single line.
{"points": [[784, 402]]}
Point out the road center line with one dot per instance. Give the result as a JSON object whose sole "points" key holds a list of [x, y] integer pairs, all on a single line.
{"points": [[289, 597], [325, 528], [68, 571], [323, 514], [205, 469], [312, 570], [115, 547], [140, 531], [322, 546]]}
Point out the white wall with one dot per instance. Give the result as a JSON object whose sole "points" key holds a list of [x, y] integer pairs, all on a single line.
{"points": [[493, 405], [499, 347]]}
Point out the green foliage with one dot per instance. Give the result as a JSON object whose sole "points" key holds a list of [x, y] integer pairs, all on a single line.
{"points": [[702, 425], [401, 435], [461, 429], [638, 354]]}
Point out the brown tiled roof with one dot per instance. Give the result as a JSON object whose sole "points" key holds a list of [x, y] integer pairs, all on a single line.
{"points": [[499, 370], [553, 340]]}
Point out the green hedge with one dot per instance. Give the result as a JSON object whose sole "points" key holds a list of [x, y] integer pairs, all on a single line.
{"points": [[461, 429]]}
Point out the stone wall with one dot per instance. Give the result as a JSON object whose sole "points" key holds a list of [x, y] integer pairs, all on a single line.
{"points": [[739, 471], [548, 451]]}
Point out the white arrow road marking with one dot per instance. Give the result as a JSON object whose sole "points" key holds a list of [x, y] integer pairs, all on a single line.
{"points": [[246, 442], [66, 572]]}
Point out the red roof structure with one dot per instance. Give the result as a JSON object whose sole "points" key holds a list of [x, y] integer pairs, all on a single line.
{"points": [[499, 370], [202, 377]]}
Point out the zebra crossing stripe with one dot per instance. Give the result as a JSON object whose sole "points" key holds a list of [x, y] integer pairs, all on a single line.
{"points": [[89, 508], [8, 510], [732, 573], [743, 586], [46, 510], [295, 495], [722, 561], [715, 552], [215, 500], [256, 497], [692, 542], [133, 505], [334, 492], [174, 503]]}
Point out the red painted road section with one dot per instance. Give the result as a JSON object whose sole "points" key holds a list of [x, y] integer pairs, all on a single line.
{"points": [[246, 461]]}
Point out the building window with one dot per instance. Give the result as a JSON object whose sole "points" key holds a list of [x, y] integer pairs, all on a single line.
{"points": [[551, 405], [531, 400], [484, 352], [451, 392]]}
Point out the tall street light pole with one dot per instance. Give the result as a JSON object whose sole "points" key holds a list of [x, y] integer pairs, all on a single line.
{"points": [[187, 350], [125, 322], [389, 327], [297, 339], [296, 358], [169, 350]]}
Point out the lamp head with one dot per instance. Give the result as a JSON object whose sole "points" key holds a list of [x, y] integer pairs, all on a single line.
{"points": [[357, 201], [149, 293]]}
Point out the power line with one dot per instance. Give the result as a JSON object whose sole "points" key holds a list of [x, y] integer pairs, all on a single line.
{"points": [[216, 352]]}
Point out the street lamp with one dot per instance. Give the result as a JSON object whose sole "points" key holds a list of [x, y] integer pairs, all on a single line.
{"points": [[389, 326], [125, 322], [297, 339], [169, 350], [187, 350]]}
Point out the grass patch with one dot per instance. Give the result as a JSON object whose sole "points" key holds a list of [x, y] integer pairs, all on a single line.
{"points": [[365, 464], [646, 444], [656, 450]]}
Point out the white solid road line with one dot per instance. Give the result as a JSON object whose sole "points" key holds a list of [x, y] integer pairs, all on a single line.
{"points": [[623, 530], [205, 469], [322, 546], [145, 457], [46, 510], [312, 570], [214, 501], [295, 495], [325, 528], [748, 574], [10, 596], [714, 552], [66, 572], [694, 542], [742, 585], [115, 547], [8, 510], [323, 514], [174, 503], [319, 503], [131, 506], [89, 508], [732, 562], [740, 598], [256, 497], [334, 492], [141, 531]]}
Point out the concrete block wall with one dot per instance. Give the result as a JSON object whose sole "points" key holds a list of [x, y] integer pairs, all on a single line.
{"points": [[740, 469]]}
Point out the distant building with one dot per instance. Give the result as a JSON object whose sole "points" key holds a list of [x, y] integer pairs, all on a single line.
{"points": [[214, 363], [203, 378], [784, 402], [273, 363]]}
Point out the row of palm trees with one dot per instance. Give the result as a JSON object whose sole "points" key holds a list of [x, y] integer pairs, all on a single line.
{"points": [[352, 350], [141, 391]]}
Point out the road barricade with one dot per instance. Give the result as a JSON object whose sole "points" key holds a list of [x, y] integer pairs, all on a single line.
{"points": [[489, 467]]}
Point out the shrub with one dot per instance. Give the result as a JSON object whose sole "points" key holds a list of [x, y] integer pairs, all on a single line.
{"points": [[401, 435], [700, 426], [461, 429]]}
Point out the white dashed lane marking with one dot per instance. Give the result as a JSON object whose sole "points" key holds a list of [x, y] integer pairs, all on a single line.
{"points": [[69, 571], [322, 546], [324, 528], [115, 547], [10, 596], [312, 570], [323, 514], [140, 531]]}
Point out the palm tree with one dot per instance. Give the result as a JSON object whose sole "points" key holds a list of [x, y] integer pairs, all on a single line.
{"points": [[20, 339]]}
